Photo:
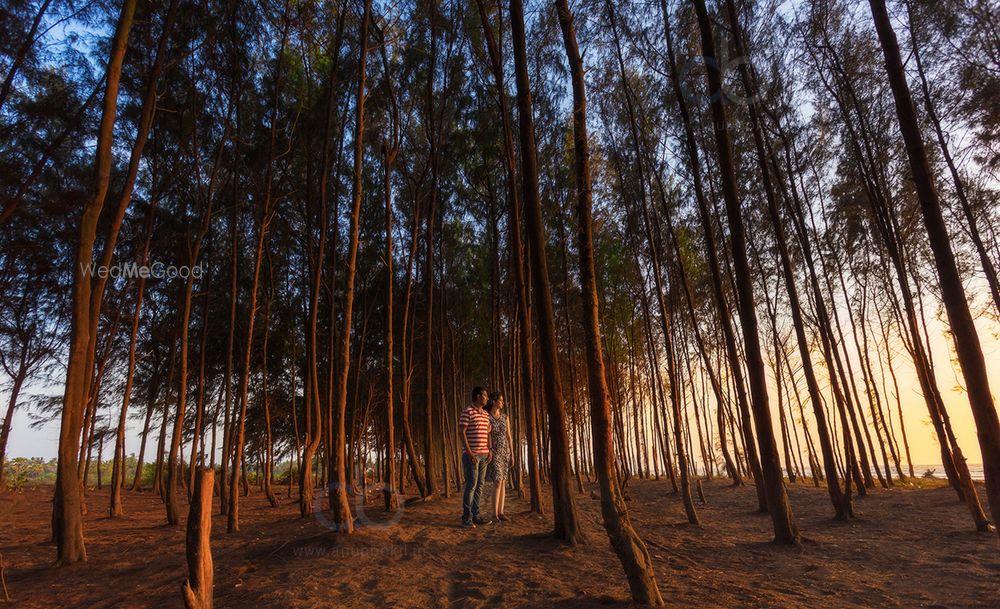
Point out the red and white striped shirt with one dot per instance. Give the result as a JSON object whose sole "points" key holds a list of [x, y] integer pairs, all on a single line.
{"points": [[475, 424]]}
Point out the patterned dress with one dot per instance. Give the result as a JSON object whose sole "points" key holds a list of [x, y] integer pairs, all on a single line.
{"points": [[500, 465]]}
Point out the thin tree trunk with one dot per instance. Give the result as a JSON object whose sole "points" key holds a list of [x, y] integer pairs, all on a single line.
{"points": [[338, 501], [523, 330], [238, 474], [118, 468]]}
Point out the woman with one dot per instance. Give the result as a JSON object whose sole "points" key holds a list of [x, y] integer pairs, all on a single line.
{"points": [[501, 444]]}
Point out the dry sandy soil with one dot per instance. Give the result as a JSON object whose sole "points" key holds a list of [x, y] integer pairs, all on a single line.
{"points": [[907, 548]]}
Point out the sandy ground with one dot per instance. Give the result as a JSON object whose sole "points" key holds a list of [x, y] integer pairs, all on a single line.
{"points": [[908, 548]]}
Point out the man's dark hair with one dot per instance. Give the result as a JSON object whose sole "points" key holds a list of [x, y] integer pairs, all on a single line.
{"points": [[476, 391]]}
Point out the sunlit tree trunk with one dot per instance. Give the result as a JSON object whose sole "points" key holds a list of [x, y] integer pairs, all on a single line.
{"points": [[626, 542], [267, 212], [67, 521], [338, 489]]}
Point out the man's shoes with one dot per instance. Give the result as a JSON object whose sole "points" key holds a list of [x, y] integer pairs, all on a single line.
{"points": [[478, 520], [468, 524], [502, 518]]}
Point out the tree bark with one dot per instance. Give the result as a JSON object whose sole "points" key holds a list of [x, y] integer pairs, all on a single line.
{"points": [[67, 522], [627, 544], [514, 223], [563, 505], [197, 590], [338, 489], [783, 520], [966, 338]]}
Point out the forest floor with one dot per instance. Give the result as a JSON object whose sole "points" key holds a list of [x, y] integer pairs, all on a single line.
{"points": [[909, 547]]}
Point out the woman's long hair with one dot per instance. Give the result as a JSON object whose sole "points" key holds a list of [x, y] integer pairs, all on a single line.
{"points": [[494, 397]]}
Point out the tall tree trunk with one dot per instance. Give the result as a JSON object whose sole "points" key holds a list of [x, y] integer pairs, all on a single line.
{"points": [[389, 492], [267, 212], [338, 489], [523, 331], [653, 247], [840, 500], [711, 250], [67, 521], [963, 329], [313, 401], [627, 544], [118, 467], [194, 250], [563, 505], [783, 520]]}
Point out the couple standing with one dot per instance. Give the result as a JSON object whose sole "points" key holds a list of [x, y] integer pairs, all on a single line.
{"points": [[486, 452]]}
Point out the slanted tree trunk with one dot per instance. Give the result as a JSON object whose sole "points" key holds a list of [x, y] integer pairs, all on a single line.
{"points": [[783, 520], [665, 317], [963, 329], [627, 544], [154, 388], [840, 500], [22, 53], [721, 301], [118, 467], [15, 392]]}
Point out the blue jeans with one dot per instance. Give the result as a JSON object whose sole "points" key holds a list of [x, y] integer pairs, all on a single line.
{"points": [[475, 479]]}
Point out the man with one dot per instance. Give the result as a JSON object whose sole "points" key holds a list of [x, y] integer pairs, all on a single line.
{"points": [[474, 429]]}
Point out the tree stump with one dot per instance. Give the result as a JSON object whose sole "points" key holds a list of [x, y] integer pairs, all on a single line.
{"points": [[198, 587]]}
